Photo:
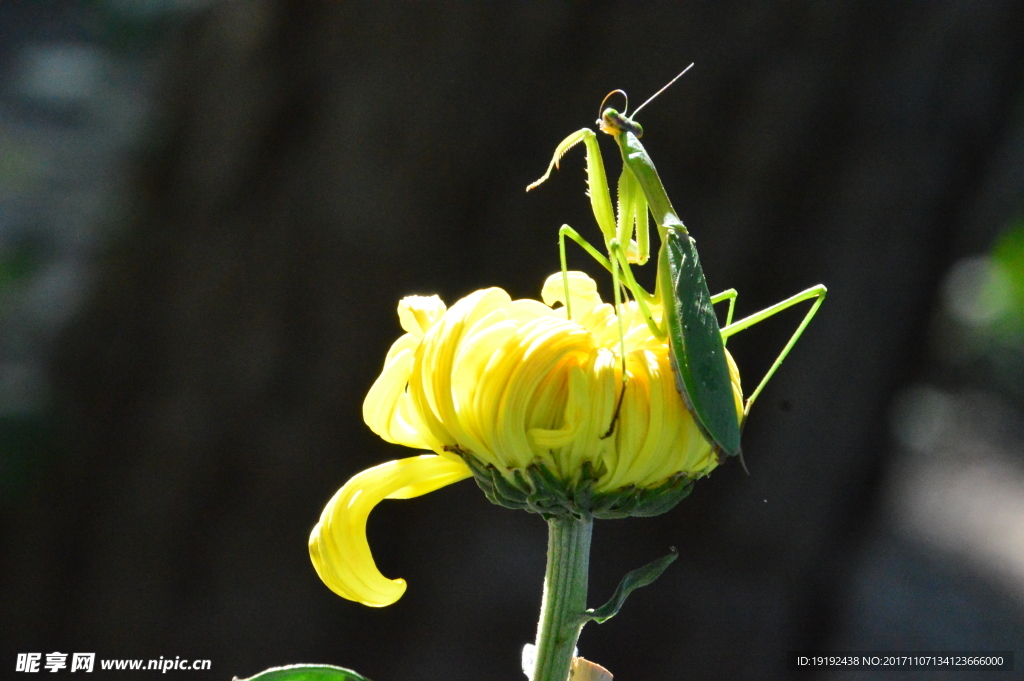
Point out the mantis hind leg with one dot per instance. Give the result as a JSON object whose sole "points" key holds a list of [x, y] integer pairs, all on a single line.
{"points": [[730, 295], [612, 265], [567, 231], [621, 276], [817, 293], [615, 250]]}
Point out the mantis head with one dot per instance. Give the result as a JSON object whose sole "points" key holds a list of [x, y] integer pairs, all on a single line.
{"points": [[613, 123]]}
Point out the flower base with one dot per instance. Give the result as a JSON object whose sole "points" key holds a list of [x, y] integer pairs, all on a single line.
{"points": [[537, 490]]}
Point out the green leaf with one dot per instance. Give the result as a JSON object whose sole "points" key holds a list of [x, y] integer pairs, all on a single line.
{"points": [[634, 579], [306, 672]]}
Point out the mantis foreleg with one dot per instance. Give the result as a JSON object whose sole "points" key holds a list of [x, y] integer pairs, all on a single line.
{"points": [[597, 180]]}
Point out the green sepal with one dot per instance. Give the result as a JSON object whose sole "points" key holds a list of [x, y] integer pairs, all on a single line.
{"points": [[634, 579], [537, 489], [306, 672], [651, 501]]}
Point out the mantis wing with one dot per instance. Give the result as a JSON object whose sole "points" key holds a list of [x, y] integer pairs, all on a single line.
{"points": [[698, 354]]}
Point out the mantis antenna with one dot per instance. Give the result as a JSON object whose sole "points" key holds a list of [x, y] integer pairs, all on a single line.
{"points": [[600, 109], [649, 99]]}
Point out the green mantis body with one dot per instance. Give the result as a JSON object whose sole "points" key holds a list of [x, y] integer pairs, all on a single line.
{"points": [[688, 321]]}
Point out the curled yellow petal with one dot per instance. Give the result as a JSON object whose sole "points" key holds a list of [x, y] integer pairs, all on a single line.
{"points": [[582, 289], [418, 313], [338, 546]]}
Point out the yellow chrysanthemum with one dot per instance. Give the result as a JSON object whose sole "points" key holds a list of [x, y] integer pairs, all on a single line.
{"points": [[513, 385]]}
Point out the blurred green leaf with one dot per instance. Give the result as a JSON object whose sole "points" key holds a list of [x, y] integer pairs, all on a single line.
{"points": [[1008, 254], [307, 672]]}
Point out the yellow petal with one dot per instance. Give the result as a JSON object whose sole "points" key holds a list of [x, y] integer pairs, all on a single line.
{"points": [[385, 409], [418, 313], [582, 289], [737, 388], [338, 546], [430, 382]]}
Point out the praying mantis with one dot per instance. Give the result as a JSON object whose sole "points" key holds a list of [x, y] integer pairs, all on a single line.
{"points": [[688, 319]]}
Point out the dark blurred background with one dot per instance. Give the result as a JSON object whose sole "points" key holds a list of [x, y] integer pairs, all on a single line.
{"points": [[209, 211]]}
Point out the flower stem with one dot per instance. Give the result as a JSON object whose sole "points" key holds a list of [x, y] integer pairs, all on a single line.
{"points": [[565, 597]]}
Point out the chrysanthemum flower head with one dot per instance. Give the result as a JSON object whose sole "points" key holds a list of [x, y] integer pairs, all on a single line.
{"points": [[533, 404]]}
